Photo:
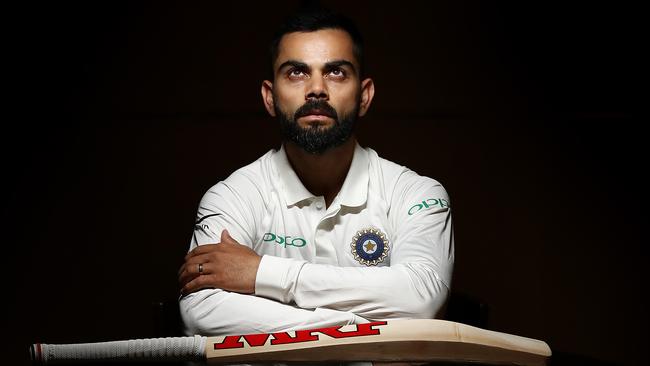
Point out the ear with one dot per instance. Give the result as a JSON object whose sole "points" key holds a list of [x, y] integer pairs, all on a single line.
{"points": [[267, 97], [367, 93]]}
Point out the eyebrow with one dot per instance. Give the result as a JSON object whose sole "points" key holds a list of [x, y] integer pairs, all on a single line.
{"points": [[293, 63], [328, 65], [339, 63]]}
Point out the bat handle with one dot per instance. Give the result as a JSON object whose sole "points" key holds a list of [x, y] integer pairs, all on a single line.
{"points": [[170, 348]]}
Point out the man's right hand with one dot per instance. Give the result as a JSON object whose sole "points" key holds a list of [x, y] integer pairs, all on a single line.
{"points": [[227, 265]]}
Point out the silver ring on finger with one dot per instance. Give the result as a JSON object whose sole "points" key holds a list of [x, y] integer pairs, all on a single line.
{"points": [[200, 268]]}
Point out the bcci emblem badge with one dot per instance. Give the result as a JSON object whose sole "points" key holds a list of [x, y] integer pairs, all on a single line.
{"points": [[370, 246]]}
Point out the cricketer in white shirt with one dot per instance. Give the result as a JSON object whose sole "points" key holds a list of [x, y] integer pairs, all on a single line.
{"points": [[383, 249]]}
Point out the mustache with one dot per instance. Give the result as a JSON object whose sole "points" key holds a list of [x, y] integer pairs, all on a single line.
{"points": [[318, 106]]}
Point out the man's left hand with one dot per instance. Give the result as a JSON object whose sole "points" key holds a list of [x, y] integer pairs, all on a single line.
{"points": [[227, 265]]}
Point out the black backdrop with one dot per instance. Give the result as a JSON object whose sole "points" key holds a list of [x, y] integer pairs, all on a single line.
{"points": [[120, 115]]}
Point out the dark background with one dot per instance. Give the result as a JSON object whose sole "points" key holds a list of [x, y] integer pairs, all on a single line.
{"points": [[120, 115]]}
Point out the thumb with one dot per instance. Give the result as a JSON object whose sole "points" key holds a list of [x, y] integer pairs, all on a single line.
{"points": [[225, 236]]}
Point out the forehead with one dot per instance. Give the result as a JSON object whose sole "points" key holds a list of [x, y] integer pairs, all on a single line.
{"points": [[316, 47]]}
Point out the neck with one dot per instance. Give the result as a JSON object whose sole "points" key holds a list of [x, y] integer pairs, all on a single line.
{"points": [[322, 174]]}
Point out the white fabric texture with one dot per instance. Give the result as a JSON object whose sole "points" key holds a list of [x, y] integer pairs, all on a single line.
{"points": [[383, 249]]}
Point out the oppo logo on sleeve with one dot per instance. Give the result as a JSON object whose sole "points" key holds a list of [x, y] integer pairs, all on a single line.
{"points": [[284, 240], [427, 204]]}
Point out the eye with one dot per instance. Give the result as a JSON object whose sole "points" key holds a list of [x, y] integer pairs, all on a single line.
{"points": [[295, 73], [337, 73]]}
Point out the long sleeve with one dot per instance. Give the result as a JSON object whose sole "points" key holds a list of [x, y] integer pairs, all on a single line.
{"points": [[219, 312], [416, 283]]}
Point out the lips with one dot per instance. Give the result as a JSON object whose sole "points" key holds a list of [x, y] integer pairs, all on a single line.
{"points": [[316, 109], [319, 112], [316, 112]]}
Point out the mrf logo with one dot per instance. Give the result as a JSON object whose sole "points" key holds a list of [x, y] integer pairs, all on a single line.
{"points": [[312, 335]]}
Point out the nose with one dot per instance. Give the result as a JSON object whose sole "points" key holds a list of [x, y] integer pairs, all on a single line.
{"points": [[316, 89]]}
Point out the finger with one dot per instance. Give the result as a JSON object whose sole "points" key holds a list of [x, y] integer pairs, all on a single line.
{"points": [[198, 283], [188, 275], [201, 258], [192, 261], [182, 268], [185, 275], [192, 271], [185, 278], [201, 249]]}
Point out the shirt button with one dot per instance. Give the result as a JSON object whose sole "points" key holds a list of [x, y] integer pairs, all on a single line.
{"points": [[319, 205]]}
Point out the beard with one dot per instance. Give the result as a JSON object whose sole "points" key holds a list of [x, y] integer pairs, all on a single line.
{"points": [[316, 139]]}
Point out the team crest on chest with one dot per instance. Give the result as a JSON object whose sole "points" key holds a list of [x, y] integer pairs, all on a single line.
{"points": [[369, 246]]}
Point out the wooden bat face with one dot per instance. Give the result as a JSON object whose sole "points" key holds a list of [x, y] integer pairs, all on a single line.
{"points": [[395, 341]]}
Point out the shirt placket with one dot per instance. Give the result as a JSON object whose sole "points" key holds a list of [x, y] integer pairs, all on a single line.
{"points": [[325, 253]]}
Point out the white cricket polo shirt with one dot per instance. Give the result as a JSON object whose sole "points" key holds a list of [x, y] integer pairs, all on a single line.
{"points": [[382, 250]]}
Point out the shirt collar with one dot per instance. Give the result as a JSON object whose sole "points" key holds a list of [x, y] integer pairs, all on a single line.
{"points": [[294, 190], [354, 191]]}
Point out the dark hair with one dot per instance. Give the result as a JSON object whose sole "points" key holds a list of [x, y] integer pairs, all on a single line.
{"points": [[314, 18]]}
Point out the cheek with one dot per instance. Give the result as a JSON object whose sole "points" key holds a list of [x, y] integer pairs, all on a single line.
{"points": [[282, 105], [345, 100], [287, 101]]}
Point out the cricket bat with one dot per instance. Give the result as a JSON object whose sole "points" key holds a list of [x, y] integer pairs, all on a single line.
{"points": [[417, 340]]}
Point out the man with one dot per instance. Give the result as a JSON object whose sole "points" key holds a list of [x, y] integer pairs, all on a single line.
{"points": [[321, 232]]}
